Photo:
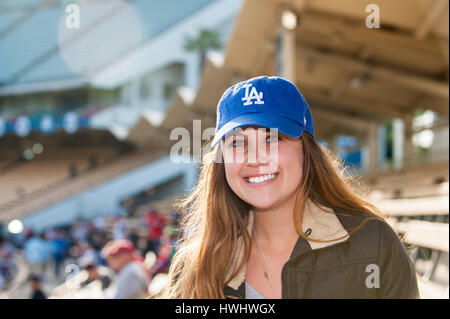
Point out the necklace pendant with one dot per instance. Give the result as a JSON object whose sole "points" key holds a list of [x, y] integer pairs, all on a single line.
{"points": [[266, 275]]}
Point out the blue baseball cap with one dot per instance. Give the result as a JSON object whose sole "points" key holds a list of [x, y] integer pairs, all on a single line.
{"points": [[270, 102]]}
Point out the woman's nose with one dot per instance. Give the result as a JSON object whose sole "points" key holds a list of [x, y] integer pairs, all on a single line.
{"points": [[257, 152]]}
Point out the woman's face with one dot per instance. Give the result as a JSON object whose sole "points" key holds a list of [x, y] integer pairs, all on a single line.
{"points": [[263, 168]]}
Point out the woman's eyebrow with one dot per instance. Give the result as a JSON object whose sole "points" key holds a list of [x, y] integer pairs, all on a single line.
{"points": [[236, 133], [231, 135]]}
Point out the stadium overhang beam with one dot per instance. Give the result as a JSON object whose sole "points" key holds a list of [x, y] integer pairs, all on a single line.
{"points": [[354, 76]]}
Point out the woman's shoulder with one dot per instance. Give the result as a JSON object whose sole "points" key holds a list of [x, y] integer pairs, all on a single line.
{"points": [[379, 229], [369, 231], [378, 240], [366, 224]]}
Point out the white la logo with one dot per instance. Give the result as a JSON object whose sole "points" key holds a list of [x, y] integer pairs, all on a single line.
{"points": [[254, 95]]}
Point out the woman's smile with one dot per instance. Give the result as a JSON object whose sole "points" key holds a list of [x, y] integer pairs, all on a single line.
{"points": [[260, 179]]}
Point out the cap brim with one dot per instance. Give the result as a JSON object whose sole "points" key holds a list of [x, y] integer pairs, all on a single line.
{"points": [[282, 124]]}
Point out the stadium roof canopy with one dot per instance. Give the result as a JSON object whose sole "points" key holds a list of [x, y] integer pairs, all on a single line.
{"points": [[30, 54], [403, 66], [354, 77]]}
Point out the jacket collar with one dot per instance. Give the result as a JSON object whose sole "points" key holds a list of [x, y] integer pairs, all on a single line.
{"points": [[323, 224]]}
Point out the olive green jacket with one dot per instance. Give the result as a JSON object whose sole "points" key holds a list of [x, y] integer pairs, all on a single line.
{"points": [[371, 263]]}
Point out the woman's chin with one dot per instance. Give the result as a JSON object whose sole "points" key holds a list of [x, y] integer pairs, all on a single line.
{"points": [[259, 204]]}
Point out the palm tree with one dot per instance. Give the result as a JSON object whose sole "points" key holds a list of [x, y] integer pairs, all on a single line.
{"points": [[205, 40]]}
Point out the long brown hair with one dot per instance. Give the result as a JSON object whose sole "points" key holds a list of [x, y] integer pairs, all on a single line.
{"points": [[215, 217]]}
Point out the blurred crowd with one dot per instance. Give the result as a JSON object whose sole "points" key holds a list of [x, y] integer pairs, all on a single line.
{"points": [[117, 255]]}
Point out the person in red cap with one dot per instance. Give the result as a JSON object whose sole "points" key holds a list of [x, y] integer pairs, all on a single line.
{"points": [[132, 276]]}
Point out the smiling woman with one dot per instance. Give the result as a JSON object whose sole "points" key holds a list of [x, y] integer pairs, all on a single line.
{"points": [[273, 177], [274, 216]]}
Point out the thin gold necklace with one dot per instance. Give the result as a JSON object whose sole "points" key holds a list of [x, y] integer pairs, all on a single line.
{"points": [[266, 274]]}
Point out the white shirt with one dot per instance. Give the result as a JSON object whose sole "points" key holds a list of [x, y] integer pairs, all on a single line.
{"points": [[132, 282]]}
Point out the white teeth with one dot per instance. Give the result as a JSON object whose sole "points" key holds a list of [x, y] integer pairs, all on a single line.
{"points": [[259, 179]]}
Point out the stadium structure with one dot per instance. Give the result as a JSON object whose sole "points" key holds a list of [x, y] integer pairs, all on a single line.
{"points": [[70, 140], [80, 138]]}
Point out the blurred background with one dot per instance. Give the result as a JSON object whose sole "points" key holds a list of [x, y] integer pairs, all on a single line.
{"points": [[91, 90]]}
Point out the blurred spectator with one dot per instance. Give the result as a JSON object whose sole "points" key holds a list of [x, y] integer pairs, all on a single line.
{"points": [[167, 249], [93, 162], [60, 245], [94, 272], [132, 210], [7, 249], [73, 171], [120, 229], [79, 230], [99, 223], [155, 223], [88, 254], [37, 252], [7, 266], [134, 238], [81, 244], [36, 291], [132, 276], [175, 216], [18, 240], [93, 275]]}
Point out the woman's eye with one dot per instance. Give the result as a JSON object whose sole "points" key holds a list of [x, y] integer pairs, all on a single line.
{"points": [[272, 138], [237, 143]]}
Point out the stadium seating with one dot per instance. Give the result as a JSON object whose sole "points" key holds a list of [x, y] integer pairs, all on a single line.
{"points": [[416, 202], [48, 168], [48, 181]]}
